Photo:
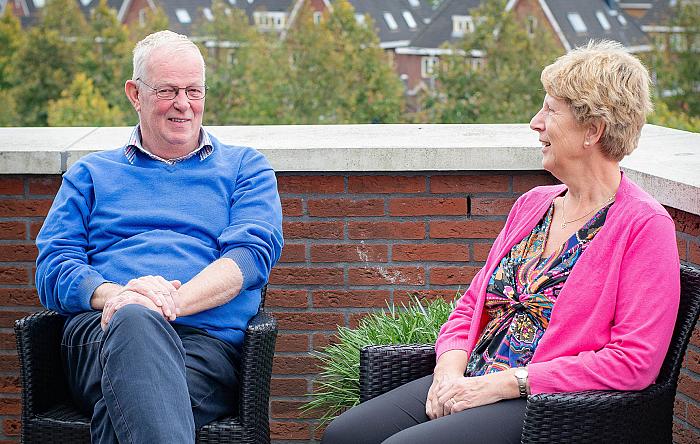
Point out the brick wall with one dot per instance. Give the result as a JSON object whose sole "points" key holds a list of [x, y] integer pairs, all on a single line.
{"points": [[353, 243]]}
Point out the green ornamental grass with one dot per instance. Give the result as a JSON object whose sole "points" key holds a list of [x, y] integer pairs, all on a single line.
{"points": [[338, 387]]}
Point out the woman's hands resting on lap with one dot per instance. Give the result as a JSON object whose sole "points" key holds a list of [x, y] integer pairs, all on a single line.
{"points": [[452, 392]]}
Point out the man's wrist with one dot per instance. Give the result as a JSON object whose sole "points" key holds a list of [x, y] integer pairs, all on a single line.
{"points": [[102, 293]]}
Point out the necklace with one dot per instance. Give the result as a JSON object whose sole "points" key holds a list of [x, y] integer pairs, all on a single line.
{"points": [[565, 222]]}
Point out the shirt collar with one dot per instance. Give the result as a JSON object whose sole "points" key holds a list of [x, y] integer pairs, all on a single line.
{"points": [[204, 149]]}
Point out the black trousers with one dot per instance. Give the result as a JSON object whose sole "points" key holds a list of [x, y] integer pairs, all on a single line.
{"points": [[398, 417]]}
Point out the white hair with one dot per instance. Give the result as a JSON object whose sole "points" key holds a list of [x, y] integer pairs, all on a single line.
{"points": [[164, 40]]}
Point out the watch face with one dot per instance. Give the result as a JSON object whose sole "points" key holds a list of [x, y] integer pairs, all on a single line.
{"points": [[521, 373]]}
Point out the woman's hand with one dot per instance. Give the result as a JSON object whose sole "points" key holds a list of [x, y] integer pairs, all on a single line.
{"points": [[469, 392], [448, 369], [434, 406]]}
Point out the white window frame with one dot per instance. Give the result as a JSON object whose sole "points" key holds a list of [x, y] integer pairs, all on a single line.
{"points": [[462, 24], [428, 66], [531, 25], [317, 17], [270, 20]]}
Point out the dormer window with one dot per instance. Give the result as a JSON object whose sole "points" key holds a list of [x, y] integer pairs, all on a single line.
{"points": [[462, 24], [267, 20]]}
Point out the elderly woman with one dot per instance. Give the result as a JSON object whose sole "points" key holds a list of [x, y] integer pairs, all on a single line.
{"points": [[580, 290]]}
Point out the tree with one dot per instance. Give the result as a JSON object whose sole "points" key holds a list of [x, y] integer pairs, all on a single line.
{"points": [[83, 105], [506, 88], [11, 39], [676, 60], [8, 116], [153, 20]]}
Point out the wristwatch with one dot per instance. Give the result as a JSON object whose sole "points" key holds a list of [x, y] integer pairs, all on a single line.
{"points": [[521, 376]]}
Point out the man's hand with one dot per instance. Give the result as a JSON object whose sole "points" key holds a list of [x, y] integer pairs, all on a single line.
{"points": [[163, 293], [121, 299]]}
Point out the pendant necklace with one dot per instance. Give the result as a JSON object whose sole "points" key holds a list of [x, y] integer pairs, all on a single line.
{"points": [[565, 222]]}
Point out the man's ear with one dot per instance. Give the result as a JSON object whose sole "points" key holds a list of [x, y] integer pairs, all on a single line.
{"points": [[132, 93], [594, 132]]}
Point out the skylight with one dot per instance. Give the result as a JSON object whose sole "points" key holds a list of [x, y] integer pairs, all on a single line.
{"points": [[208, 14], [360, 18], [576, 22], [183, 16], [414, 3], [603, 20], [85, 2], [410, 21], [622, 20], [39, 3], [390, 22]]}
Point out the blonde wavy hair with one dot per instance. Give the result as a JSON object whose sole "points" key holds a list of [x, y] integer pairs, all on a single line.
{"points": [[603, 81]]}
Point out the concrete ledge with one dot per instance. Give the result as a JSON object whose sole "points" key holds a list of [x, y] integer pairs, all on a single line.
{"points": [[667, 162]]}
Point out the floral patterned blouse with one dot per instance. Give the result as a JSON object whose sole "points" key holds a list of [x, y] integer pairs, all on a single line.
{"points": [[521, 294]]}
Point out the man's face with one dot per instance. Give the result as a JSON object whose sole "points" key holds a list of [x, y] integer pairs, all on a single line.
{"points": [[170, 128]]}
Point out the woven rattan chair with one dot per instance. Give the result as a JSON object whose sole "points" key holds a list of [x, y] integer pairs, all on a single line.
{"points": [[644, 416], [49, 416]]}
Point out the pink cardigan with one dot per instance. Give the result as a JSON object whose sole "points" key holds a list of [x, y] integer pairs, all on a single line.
{"points": [[613, 320]]}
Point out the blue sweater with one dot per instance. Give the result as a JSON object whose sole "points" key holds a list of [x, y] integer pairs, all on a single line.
{"points": [[113, 221]]}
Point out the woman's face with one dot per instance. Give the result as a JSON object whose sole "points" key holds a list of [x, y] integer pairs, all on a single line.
{"points": [[560, 134]]}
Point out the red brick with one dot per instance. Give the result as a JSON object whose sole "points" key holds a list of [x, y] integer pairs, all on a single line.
{"points": [[428, 207], [11, 186], [18, 253], [309, 321], [386, 230], [481, 251], [13, 230], [310, 184], [292, 343], [680, 408], [288, 387], [286, 430], [692, 361], [320, 341], [386, 184], [472, 229], [353, 298], [292, 207], [24, 207], [525, 183], [34, 228], [682, 435], [7, 341], [10, 406], [430, 252], [406, 297], [291, 410], [345, 207], [694, 252], [44, 185], [9, 362], [10, 384], [355, 319], [452, 275], [689, 386], [386, 275], [491, 206], [293, 253], [312, 230], [349, 253], [693, 415], [682, 249], [687, 223], [19, 296], [695, 337], [295, 365], [8, 318], [469, 184], [11, 427], [306, 276], [286, 298], [14, 275]]}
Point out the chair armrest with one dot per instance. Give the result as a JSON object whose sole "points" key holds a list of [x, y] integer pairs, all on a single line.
{"points": [[598, 416], [385, 367], [38, 344], [256, 371]]}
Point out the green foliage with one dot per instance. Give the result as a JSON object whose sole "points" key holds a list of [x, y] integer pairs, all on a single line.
{"points": [[154, 20], [338, 387], [507, 87], [11, 39], [663, 116], [676, 62], [82, 105], [8, 116]]}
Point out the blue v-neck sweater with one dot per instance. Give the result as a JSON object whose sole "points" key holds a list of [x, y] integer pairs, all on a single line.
{"points": [[114, 220]]}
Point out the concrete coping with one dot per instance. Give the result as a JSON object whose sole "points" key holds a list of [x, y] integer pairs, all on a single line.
{"points": [[666, 163]]}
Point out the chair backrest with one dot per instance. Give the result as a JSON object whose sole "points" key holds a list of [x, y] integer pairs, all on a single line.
{"points": [[688, 312]]}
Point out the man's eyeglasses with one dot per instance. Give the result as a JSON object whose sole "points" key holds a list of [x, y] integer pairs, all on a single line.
{"points": [[170, 92]]}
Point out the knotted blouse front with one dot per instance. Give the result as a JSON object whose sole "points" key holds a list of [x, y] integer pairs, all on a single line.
{"points": [[521, 294]]}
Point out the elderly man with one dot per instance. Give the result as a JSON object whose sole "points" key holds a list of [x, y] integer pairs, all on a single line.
{"points": [[157, 251]]}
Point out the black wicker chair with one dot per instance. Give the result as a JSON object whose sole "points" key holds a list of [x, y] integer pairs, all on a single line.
{"points": [[644, 416], [48, 415]]}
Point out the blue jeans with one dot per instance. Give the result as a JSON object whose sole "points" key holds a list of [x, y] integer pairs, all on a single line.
{"points": [[146, 380]]}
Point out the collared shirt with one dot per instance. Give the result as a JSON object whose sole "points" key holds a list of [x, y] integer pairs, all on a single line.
{"points": [[204, 148]]}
